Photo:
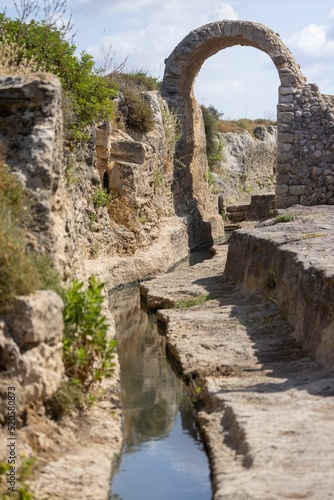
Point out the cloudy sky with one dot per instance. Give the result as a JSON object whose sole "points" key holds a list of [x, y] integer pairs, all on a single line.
{"points": [[239, 81]]}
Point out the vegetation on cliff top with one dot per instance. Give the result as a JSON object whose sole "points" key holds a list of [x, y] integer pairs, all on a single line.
{"points": [[30, 45]]}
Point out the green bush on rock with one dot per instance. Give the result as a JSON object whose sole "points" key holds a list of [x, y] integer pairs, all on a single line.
{"points": [[44, 44], [88, 352]]}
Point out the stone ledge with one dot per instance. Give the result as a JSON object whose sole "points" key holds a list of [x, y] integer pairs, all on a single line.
{"points": [[293, 263]]}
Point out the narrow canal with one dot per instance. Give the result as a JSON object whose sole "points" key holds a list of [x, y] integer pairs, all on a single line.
{"points": [[163, 457]]}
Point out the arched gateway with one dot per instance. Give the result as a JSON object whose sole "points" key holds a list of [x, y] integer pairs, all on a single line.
{"points": [[305, 117]]}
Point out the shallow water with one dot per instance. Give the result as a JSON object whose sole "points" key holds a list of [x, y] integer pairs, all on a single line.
{"points": [[163, 457]]}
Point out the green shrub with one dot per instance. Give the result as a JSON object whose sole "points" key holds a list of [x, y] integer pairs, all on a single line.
{"points": [[284, 218], [137, 80], [88, 352], [101, 197], [68, 398], [45, 45], [214, 150], [140, 115], [22, 473]]}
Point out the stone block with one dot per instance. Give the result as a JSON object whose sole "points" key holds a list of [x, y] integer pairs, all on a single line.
{"points": [[281, 189], [286, 90], [285, 107], [237, 208], [285, 116], [237, 216], [127, 151], [261, 206], [281, 201], [36, 318], [297, 190]]}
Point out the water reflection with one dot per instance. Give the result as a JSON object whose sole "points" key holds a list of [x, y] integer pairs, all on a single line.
{"points": [[163, 457]]}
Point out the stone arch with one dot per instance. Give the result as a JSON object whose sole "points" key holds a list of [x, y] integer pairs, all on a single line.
{"points": [[184, 63], [305, 117]]}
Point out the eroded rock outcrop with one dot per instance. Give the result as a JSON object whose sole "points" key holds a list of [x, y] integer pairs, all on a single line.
{"points": [[83, 239], [248, 165]]}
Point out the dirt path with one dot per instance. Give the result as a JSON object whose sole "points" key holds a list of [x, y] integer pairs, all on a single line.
{"points": [[266, 407]]}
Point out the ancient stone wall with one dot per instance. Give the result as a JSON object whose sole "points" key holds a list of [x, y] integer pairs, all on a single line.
{"points": [[305, 155], [305, 117]]}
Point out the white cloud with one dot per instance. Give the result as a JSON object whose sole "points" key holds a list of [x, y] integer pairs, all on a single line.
{"points": [[225, 11], [314, 41], [154, 38]]}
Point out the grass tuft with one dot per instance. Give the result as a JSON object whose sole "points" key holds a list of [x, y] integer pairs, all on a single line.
{"points": [[195, 301], [284, 218], [21, 271]]}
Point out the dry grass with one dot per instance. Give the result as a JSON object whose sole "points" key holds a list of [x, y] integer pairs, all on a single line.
{"points": [[21, 271], [243, 124], [12, 62]]}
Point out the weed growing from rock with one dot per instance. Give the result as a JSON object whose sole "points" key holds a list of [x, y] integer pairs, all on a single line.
{"points": [[195, 301], [101, 197], [284, 218], [22, 474]]}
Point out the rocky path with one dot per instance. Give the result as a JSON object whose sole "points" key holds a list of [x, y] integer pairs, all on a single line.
{"points": [[266, 407]]}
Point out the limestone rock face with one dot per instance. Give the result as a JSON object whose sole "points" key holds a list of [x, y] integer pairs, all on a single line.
{"points": [[36, 318], [31, 347], [248, 165], [31, 142]]}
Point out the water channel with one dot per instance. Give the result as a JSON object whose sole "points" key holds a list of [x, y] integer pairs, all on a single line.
{"points": [[163, 456]]}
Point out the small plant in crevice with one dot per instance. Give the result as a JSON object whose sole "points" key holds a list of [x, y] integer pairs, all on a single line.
{"points": [[158, 179], [195, 301], [172, 127], [68, 398], [70, 171], [23, 472], [209, 178], [309, 236], [284, 218], [101, 197], [224, 215], [271, 281]]}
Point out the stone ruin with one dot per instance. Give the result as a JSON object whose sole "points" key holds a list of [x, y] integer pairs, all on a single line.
{"points": [[305, 117]]}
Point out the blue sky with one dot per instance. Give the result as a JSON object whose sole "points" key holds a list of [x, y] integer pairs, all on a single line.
{"points": [[239, 81]]}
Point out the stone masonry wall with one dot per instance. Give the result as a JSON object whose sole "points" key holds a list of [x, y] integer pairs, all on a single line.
{"points": [[305, 157]]}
